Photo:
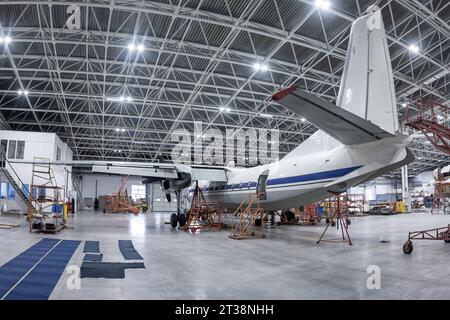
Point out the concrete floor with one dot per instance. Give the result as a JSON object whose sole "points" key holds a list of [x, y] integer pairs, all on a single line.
{"points": [[288, 264]]}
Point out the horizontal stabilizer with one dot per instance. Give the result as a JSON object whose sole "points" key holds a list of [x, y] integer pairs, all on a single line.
{"points": [[339, 123]]}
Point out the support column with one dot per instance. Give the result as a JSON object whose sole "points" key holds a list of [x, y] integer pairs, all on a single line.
{"points": [[405, 189]]}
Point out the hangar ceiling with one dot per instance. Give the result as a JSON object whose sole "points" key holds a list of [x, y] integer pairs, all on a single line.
{"points": [[115, 84]]}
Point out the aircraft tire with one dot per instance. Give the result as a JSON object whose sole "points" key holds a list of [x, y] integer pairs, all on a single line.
{"points": [[182, 220], [408, 247], [174, 220]]}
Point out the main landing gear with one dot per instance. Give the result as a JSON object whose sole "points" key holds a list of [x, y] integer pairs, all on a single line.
{"points": [[179, 218]]}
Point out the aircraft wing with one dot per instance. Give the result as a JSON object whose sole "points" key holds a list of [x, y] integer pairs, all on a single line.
{"points": [[156, 171], [339, 123], [215, 174]]}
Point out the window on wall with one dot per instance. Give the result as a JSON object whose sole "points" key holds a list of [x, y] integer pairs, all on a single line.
{"points": [[12, 149], [4, 190], [20, 149], [42, 193], [4, 146], [16, 149], [137, 192], [11, 192], [26, 190], [58, 153]]}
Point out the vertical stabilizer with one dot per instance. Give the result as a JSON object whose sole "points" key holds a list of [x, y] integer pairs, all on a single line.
{"points": [[367, 87]]}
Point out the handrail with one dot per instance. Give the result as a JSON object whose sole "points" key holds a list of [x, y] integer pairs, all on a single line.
{"points": [[21, 184], [247, 216]]}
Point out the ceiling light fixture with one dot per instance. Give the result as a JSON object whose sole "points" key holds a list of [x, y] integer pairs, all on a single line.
{"points": [[131, 47], [121, 99], [414, 48], [140, 48], [265, 115], [260, 67], [323, 4], [5, 40]]}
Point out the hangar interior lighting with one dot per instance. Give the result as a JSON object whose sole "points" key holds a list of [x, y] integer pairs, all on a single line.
{"points": [[323, 4], [413, 48], [5, 40], [120, 99], [260, 67], [132, 47]]}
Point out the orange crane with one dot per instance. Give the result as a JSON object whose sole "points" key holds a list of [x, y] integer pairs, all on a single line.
{"points": [[119, 202]]}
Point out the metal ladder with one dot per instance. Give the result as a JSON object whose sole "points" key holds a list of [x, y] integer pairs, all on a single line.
{"points": [[248, 212]]}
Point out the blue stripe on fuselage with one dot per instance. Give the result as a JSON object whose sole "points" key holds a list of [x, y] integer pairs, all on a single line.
{"points": [[312, 176], [295, 179]]}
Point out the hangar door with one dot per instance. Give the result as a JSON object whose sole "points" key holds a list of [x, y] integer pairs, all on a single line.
{"points": [[159, 201]]}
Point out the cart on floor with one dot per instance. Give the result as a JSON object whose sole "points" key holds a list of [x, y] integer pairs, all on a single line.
{"points": [[432, 234]]}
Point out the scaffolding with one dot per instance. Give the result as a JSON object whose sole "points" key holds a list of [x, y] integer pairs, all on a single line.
{"points": [[441, 192], [305, 215], [339, 219], [249, 211], [202, 214], [44, 194], [432, 119]]}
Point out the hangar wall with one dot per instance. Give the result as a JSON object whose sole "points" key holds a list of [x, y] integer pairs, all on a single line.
{"points": [[27, 146]]}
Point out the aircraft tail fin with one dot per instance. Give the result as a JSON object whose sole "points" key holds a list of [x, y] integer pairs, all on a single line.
{"points": [[367, 86]]}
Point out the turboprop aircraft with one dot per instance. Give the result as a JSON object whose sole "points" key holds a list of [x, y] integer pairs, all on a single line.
{"points": [[358, 138]]}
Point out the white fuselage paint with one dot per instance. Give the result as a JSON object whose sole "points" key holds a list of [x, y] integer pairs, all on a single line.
{"points": [[307, 173]]}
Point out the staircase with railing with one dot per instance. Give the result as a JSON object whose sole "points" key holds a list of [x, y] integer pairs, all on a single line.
{"points": [[248, 212], [20, 188]]}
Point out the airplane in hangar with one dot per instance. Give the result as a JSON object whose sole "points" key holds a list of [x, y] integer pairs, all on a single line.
{"points": [[358, 138]]}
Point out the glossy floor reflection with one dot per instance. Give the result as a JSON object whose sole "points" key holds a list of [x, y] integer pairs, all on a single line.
{"points": [[288, 264]]}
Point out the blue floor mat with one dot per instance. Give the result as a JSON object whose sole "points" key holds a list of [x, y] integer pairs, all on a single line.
{"points": [[91, 247], [14, 270], [39, 283], [128, 251], [93, 257], [109, 270]]}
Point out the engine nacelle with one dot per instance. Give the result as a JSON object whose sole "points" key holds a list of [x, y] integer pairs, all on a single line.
{"points": [[171, 185]]}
